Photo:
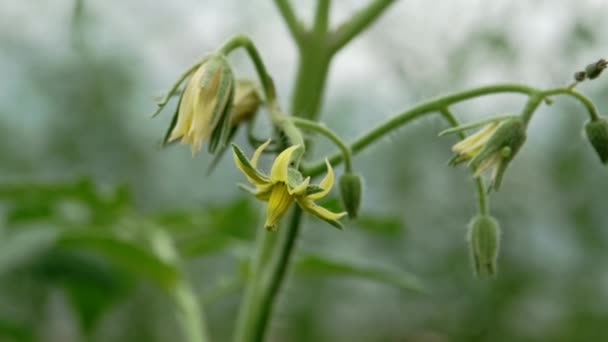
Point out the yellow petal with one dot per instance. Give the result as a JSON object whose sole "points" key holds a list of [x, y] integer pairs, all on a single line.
{"points": [[325, 184], [184, 112], [475, 140], [301, 188], [319, 211], [258, 152], [278, 173], [491, 161], [278, 203]]}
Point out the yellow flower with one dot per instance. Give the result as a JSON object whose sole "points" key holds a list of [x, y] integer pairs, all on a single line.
{"points": [[204, 106], [492, 147], [285, 185]]}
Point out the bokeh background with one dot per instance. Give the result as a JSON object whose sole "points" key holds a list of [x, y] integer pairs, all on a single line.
{"points": [[79, 153]]}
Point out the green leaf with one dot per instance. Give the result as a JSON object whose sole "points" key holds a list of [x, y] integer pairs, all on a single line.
{"points": [[325, 266], [91, 283], [21, 247], [391, 226], [125, 254]]}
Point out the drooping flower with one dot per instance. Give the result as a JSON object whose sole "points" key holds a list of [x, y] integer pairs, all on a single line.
{"points": [[492, 147], [285, 185], [204, 106]]}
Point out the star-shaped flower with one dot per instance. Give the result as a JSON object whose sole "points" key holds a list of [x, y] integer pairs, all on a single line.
{"points": [[285, 185]]}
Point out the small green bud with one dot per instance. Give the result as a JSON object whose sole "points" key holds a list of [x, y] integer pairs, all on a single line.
{"points": [[484, 243], [350, 190], [580, 76], [597, 133], [593, 70]]}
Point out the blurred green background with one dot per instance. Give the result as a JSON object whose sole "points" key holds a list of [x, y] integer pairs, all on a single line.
{"points": [[84, 189]]}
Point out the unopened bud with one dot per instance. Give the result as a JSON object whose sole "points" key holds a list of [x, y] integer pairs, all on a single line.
{"points": [[246, 101], [484, 242], [593, 70], [597, 133], [350, 191], [580, 76]]}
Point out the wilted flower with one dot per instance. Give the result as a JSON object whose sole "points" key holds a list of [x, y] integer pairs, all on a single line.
{"points": [[494, 146], [285, 185], [204, 106]]}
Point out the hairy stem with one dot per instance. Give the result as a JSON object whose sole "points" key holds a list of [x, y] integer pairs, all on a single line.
{"points": [[276, 115], [482, 196], [403, 118], [593, 114], [293, 24], [328, 133], [359, 22]]}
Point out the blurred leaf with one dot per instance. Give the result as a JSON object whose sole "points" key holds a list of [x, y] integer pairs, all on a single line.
{"points": [[205, 244], [13, 331], [388, 225], [91, 283], [324, 266], [132, 257], [21, 247]]}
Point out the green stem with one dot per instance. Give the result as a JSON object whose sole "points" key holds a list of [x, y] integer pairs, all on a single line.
{"points": [[479, 186], [242, 41], [415, 112], [276, 115], [593, 114], [276, 272], [328, 133], [533, 102], [357, 23], [293, 24], [321, 18], [248, 321], [190, 314]]}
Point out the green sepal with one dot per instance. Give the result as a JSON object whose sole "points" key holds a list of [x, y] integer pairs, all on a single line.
{"points": [[597, 134], [350, 191], [173, 122], [294, 178], [313, 189], [243, 159]]}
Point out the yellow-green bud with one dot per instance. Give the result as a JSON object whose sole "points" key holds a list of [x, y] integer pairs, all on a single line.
{"points": [[597, 133], [246, 101], [484, 243], [350, 191]]}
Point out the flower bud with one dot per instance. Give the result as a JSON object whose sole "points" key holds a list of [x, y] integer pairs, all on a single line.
{"points": [[597, 133], [593, 70], [350, 191], [580, 76], [246, 101], [204, 106], [484, 242]]}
